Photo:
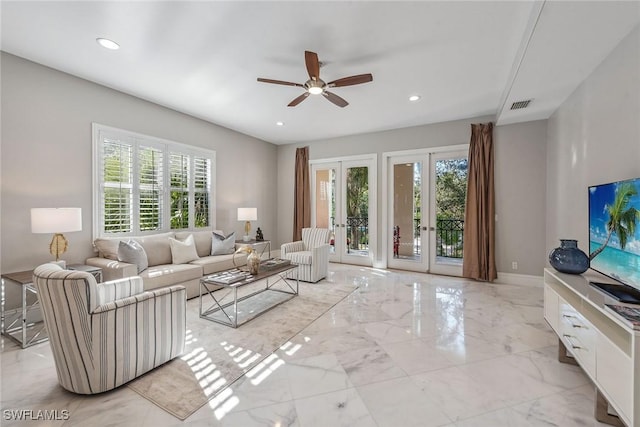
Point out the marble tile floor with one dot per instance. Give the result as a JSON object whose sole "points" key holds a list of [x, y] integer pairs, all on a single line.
{"points": [[405, 349]]}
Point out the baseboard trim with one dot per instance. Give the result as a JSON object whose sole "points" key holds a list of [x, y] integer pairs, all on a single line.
{"points": [[520, 279]]}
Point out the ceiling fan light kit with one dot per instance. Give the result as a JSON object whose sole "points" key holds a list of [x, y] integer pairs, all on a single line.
{"points": [[316, 86]]}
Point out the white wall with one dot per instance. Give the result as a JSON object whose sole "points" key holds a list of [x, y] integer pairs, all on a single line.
{"points": [[520, 151], [47, 155], [593, 138]]}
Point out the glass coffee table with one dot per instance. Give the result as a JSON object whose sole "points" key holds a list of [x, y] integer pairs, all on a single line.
{"points": [[231, 300]]}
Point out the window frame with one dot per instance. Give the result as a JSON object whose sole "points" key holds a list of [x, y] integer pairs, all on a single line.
{"points": [[101, 132]]}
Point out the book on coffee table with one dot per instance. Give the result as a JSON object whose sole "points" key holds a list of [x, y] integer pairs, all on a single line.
{"points": [[274, 263], [227, 277]]}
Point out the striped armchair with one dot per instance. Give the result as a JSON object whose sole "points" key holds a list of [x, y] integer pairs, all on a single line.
{"points": [[103, 335], [311, 254]]}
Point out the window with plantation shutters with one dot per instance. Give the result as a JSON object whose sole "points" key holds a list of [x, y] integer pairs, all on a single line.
{"points": [[145, 185]]}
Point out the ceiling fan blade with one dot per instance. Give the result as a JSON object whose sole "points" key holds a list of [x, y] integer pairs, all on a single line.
{"points": [[279, 82], [335, 99], [298, 100], [313, 65], [352, 80]]}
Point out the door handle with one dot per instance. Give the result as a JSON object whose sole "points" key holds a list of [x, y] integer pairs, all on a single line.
{"points": [[432, 229], [424, 228]]}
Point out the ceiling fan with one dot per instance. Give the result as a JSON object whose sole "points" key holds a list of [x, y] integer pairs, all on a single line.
{"points": [[316, 86]]}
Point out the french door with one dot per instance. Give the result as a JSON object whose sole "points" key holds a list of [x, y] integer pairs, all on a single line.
{"points": [[407, 234], [344, 200], [424, 201], [448, 195]]}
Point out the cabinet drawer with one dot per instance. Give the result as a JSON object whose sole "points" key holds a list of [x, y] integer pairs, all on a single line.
{"points": [[579, 336]]}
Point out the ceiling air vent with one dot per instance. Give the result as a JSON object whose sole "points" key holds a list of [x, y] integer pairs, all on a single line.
{"points": [[520, 104]]}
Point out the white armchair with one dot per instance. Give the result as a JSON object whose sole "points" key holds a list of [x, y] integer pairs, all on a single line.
{"points": [[311, 254], [103, 335]]}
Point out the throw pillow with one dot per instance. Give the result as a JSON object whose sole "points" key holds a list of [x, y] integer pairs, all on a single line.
{"points": [[221, 245], [183, 252], [131, 252]]}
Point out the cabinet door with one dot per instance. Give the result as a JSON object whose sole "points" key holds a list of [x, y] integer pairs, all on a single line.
{"points": [[613, 374]]}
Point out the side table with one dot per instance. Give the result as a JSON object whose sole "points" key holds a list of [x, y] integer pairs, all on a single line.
{"points": [[17, 326], [95, 271]]}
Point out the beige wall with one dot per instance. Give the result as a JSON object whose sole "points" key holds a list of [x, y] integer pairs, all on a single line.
{"points": [[593, 138], [520, 169], [520, 152], [46, 157]]}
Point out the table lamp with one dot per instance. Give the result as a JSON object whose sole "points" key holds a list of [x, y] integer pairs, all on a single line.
{"points": [[248, 215], [56, 221]]}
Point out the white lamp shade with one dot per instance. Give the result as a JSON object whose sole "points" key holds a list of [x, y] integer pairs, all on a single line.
{"points": [[247, 214], [56, 220]]}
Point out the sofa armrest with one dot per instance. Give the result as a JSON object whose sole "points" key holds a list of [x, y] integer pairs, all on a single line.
{"points": [[118, 289], [159, 295], [321, 251], [291, 247], [112, 270]]}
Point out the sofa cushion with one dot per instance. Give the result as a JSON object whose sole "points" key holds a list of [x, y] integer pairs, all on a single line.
{"points": [[169, 274], [157, 248], [183, 252], [132, 253], [202, 239], [107, 248], [214, 263], [221, 245]]}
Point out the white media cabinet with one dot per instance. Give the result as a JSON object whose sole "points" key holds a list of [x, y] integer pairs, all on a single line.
{"points": [[604, 344]]}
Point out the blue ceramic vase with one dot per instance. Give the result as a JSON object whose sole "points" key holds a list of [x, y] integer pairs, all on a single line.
{"points": [[568, 258]]}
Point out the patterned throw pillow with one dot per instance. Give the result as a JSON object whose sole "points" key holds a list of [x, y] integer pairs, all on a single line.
{"points": [[131, 252], [183, 252], [221, 245]]}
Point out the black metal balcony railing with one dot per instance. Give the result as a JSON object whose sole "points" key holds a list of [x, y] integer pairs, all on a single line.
{"points": [[449, 236], [357, 233]]}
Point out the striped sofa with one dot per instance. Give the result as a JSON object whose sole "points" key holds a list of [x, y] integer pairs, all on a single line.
{"points": [[311, 254], [104, 335]]}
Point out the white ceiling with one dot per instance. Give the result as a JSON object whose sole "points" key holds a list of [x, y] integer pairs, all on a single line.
{"points": [[466, 59]]}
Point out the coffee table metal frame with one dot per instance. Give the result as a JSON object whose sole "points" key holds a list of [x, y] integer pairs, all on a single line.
{"points": [[209, 287]]}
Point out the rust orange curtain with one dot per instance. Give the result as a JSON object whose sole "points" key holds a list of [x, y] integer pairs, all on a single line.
{"points": [[479, 223], [302, 197]]}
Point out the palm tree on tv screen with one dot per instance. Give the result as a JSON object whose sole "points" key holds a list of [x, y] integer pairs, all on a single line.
{"points": [[622, 219]]}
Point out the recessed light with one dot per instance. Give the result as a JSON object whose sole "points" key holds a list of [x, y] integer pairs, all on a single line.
{"points": [[414, 98], [108, 44], [280, 123]]}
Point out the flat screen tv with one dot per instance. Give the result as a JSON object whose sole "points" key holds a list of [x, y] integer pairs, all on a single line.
{"points": [[614, 232]]}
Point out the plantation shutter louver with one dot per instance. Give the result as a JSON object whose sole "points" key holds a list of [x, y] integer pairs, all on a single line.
{"points": [[202, 189], [179, 170], [150, 173], [117, 189]]}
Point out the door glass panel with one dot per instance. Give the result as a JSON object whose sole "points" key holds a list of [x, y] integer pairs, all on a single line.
{"points": [[450, 199], [357, 207], [407, 194], [326, 202]]}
